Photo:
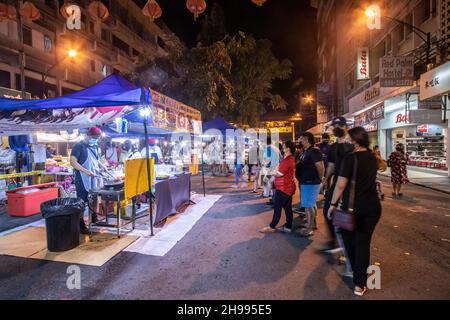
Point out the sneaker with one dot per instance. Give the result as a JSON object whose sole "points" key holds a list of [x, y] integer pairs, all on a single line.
{"points": [[285, 230], [268, 229], [253, 191], [360, 291], [234, 186]]}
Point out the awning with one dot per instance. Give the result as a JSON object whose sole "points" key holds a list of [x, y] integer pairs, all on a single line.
{"points": [[97, 105]]}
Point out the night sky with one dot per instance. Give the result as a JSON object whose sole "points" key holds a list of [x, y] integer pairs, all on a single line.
{"points": [[289, 24]]}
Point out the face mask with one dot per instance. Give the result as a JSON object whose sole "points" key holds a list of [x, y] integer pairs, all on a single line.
{"points": [[339, 132], [93, 141]]}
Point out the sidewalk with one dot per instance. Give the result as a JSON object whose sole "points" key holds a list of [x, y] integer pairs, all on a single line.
{"points": [[428, 178]]}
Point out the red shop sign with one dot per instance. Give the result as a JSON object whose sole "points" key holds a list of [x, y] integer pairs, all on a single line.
{"points": [[403, 118], [422, 128]]}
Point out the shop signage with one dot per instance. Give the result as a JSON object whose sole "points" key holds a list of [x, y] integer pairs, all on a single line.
{"points": [[372, 126], [369, 116], [402, 118], [371, 94], [13, 94], [426, 116], [171, 114], [431, 103], [423, 128], [281, 129], [362, 68], [435, 82], [396, 71], [322, 113]]}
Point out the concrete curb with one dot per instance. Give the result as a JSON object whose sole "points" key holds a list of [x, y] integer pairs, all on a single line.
{"points": [[420, 184]]}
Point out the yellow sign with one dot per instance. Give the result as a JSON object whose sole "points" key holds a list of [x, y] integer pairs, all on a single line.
{"points": [[136, 176], [282, 129]]}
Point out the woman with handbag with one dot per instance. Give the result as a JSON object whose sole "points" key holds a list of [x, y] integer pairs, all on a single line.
{"points": [[360, 208], [284, 190]]}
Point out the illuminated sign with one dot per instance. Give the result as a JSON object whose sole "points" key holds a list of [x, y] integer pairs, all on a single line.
{"points": [[74, 17], [435, 82], [362, 68]]}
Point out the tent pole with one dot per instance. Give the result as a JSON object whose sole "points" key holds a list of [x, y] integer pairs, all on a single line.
{"points": [[149, 179], [203, 172]]}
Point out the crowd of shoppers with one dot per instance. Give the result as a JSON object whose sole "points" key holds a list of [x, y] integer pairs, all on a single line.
{"points": [[334, 166]]}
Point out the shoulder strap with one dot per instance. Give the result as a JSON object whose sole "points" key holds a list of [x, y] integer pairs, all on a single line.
{"points": [[351, 199]]}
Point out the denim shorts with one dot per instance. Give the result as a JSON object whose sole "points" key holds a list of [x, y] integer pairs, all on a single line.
{"points": [[309, 194]]}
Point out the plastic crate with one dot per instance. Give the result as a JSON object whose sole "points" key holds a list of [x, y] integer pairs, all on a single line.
{"points": [[25, 205]]}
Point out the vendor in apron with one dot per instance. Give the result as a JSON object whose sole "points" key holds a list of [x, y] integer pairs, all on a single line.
{"points": [[154, 150], [85, 160]]}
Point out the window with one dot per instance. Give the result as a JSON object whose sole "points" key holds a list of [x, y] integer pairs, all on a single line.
{"points": [[106, 36], [27, 37], [91, 27], [93, 65], [388, 44], [407, 30], [5, 79], [433, 8], [48, 44], [422, 12], [104, 70], [123, 46]]}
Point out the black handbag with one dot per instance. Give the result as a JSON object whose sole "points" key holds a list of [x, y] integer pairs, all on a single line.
{"points": [[345, 219]]}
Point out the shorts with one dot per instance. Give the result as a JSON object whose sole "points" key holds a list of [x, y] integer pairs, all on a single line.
{"points": [[309, 194]]}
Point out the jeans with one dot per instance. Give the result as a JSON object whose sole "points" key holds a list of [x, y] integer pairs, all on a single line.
{"points": [[238, 174], [357, 243], [282, 201]]}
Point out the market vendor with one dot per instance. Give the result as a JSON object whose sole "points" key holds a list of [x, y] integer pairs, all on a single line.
{"points": [[85, 160], [154, 150], [129, 151]]}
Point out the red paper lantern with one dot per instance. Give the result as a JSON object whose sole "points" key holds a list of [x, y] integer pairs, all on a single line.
{"points": [[152, 10], [98, 11], [29, 11], [65, 12], [7, 12], [259, 2], [196, 7]]}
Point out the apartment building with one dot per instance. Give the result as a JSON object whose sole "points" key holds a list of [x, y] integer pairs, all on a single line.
{"points": [[391, 115], [115, 45]]}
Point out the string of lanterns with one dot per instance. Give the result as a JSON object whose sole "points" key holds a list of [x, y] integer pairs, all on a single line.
{"points": [[97, 10]]}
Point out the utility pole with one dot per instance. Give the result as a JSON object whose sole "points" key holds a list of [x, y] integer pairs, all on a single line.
{"points": [[21, 49]]}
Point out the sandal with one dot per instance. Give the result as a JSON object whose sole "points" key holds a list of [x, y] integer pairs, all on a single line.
{"points": [[360, 291]]}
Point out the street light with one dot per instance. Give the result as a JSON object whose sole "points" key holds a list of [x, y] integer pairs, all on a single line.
{"points": [[374, 13], [72, 53]]}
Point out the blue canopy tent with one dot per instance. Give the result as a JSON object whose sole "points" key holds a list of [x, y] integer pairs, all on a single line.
{"points": [[218, 123], [113, 91]]}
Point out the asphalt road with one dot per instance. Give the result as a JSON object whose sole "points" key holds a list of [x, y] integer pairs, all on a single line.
{"points": [[224, 257]]}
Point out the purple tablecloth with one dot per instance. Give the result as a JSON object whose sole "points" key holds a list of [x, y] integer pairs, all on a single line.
{"points": [[171, 195]]}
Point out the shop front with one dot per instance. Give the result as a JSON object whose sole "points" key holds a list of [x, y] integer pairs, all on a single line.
{"points": [[434, 90]]}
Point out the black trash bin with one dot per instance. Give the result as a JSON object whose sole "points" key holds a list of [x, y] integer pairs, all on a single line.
{"points": [[62, 219]]}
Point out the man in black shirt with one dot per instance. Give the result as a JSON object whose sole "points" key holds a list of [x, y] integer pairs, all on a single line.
{"points": [[338, 151]]}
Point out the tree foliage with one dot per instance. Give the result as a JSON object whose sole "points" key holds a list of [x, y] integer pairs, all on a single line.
{"points": [[227, 76]]}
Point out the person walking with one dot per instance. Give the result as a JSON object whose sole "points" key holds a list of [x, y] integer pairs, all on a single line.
{"points": [[399, 174], [254, 165], [338, 151], [311, 173], [324, 147], [284, 190], [367, 206], [238, 172]]}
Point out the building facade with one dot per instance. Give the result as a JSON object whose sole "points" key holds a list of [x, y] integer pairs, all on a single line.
{"points": [[115, 45], [366, 61]]}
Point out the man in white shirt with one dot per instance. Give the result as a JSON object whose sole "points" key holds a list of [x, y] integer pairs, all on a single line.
{"points": [[154, 150]]}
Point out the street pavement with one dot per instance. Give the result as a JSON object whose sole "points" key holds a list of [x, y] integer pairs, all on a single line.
{"points": [[225, 257]]}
